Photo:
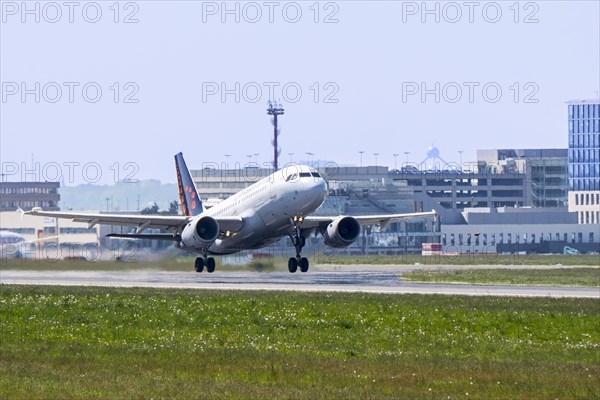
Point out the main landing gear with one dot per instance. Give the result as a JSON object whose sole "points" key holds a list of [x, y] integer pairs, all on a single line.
{"points": [[299, 241], [209, 262]]}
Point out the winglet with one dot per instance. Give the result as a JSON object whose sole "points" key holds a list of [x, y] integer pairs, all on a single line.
{"points": [[188, 195]]}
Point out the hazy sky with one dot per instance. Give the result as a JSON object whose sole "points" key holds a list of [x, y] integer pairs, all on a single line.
{"points": [[378, 76]]}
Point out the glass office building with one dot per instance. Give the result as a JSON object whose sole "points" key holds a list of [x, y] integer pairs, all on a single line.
{"points": [[584, 159]]}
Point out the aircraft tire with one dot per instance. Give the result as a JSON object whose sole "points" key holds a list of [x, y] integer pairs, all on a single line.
{"points": [[210, 265], [292, 265], [304, 264], [199, 264]]}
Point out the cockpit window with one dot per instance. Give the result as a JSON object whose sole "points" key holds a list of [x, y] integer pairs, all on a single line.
{"points": [[293, 177]]}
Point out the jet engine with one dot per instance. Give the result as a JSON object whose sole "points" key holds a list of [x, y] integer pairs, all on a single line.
{"points": [[342, 232], [200, 232]]}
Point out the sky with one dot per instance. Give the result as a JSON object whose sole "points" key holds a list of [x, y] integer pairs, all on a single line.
{"points": [[99, 92]]}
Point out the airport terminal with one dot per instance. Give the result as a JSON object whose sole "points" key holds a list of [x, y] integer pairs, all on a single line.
{"points": [[506, 201]]}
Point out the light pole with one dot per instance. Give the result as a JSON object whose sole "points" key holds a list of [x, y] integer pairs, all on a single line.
{"points": [[395, 160], [227, 162], [275, 109], [460, 155], [375, 154], [249, 158], [309, 157], [291, 157], [406, 153], [256, 158], [361, 154]]}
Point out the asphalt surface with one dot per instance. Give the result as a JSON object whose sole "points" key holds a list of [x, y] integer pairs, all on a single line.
{"points": [[367, 279]]}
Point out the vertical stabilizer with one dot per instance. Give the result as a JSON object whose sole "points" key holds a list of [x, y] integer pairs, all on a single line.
{"points": [[188, 196]]}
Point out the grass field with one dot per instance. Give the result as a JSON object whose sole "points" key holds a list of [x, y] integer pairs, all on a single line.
{"points": [[150, 343], [563, 276], [182, 263], [468, 259]]}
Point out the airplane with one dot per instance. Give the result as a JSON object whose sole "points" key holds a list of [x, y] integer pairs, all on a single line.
{"points": [[12, 244], [276, 206], [8, 237]]}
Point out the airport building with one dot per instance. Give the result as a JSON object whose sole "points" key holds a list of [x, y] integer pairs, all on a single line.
{"points": [[545, 170], [51, 238], [519, 230], [26, 195], [43, 232], [584, 160]]}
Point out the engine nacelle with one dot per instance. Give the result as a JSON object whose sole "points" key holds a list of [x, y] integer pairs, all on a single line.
{"points": [[342, 232], [200, 233]]}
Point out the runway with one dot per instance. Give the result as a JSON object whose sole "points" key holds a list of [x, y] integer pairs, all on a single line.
{"points": [[365, 279]]}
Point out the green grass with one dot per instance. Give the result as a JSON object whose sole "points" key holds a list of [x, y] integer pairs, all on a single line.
{"points": [[467, 259], [186, 263], [562, 277], [149, 343]]}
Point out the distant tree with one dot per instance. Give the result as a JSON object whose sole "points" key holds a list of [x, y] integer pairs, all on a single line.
{"points": [[153, 209], [173, 208]]}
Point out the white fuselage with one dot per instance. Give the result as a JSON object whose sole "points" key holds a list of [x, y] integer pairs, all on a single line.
{"points": [[268, 206]]}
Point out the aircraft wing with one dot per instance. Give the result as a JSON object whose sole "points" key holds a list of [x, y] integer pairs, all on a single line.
{"points": [[383, 220], [168, 222]]}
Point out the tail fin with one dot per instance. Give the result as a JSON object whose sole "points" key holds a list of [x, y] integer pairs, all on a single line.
{"points": [[190, 201]]}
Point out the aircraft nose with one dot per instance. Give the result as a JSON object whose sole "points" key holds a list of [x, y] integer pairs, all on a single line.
{"points": [[320, 186]]}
